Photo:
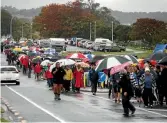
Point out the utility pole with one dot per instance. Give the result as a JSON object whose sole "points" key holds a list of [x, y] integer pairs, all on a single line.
{"points": [[22, 31], [112, 31], [95, 32], [31, 30], [11, 23], [90, 31]]}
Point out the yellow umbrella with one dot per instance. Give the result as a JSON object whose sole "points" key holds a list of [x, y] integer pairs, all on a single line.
{"points": [[17, 49]]}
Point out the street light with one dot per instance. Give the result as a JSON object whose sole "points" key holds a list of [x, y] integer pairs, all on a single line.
{"points": [[112, 31], [11, 23]]}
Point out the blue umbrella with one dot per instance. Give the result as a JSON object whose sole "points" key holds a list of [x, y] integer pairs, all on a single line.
{"points": [[102, 77], [89, 56]]}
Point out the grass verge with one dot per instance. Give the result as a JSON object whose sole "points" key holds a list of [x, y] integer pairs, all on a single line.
{"points": [[2, 119]]}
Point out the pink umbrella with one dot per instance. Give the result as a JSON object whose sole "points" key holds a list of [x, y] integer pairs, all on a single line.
{"points": [[76, 56], [118, 68]]}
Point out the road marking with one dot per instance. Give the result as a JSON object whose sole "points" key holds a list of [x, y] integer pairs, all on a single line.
{"points": [[157, 110], [135, 107], [36, 105]]}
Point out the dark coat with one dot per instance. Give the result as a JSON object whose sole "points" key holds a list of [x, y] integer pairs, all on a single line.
{"points": [[59, 75], [93, 76], [126, 85]]}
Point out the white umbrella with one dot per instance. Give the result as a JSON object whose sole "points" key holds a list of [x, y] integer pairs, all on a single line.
{"points": [[131, 58], [45, 62], [63, 62], [110, 62]]}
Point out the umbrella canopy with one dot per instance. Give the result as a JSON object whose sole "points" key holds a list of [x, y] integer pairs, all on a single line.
{"points": [[157, 56], [97, 58], [45, 63], [36, 60], [110, 62], [90, 56], [83, 64], [163, 61], [76, 56], [131, 58], [31, 53], [25, 48], [64, 62], [17, 49]]}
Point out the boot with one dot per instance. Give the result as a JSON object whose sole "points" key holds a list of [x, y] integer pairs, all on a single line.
{"points": [[59, 97], [56, 96]]}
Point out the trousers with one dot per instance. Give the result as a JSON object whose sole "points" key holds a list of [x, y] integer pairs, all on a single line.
{"points": [[127, 105]]}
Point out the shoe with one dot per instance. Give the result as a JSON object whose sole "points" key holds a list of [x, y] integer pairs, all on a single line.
{"points": [[94, 94], [145, 106], [56, 97], [126, 115], [59, 97], [133, 112]]}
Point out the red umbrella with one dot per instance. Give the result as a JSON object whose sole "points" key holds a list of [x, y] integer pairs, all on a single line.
{"points": [[76, 56], [85, 60]]}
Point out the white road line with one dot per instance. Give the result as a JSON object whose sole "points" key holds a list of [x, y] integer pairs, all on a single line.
{"points": [[36, 105], [157, 110], [135, 107]]}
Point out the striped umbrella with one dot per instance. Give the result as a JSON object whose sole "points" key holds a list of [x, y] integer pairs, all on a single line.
{"points": [[76, 56], [131, 58], [110, 62]]}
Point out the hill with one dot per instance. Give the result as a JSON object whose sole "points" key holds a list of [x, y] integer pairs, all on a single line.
{"points": [[122, 17]]}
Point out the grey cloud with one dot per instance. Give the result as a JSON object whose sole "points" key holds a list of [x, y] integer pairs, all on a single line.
{"points": [[122, 5]]}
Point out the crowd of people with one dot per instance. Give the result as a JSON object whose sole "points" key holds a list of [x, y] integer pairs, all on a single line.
{"points": [[147, 84]]}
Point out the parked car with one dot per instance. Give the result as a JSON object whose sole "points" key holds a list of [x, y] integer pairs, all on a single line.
{"points": [[89, 45], [10, 74], [82, 43], [117, 49]]}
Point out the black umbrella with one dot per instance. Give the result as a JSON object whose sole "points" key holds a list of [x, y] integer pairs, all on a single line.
{"points": [[97, 58], [163, 61], [158, 56]]}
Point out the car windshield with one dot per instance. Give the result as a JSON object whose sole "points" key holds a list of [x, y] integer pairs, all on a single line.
{"points": [[8, 69]]}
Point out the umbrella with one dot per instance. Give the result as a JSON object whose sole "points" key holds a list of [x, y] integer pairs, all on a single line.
{"points": [[83, 64], [31, 53], [25, 48], [64, 62], [90, 56], [76, 55], [97, 58], [157, 56], [163, 61], [110, 62], [131, 58], [36, 60], [17, 49], [45, 63]]}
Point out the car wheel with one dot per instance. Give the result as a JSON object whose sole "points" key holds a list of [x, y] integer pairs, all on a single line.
{"points": [[17, 83]]}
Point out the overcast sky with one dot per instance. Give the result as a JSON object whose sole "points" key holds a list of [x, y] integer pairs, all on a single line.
{"points": [[121, 5]]}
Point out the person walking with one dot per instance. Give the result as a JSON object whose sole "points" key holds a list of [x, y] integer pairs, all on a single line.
{"points": [[127, 93], [29, 68], [25, 65], [147, 80], [49, 77], [78, 75], [93, 77], [163, 84], [37, 71], [68, 78], [58, 78]]}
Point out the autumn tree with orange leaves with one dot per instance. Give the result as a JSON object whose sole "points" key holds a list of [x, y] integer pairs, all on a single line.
{"points": [[150, 30], [62, 20]]}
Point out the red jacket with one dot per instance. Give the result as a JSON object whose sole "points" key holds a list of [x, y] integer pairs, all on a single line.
{"points": [[25, 62], [48, 74], [37, 68]]}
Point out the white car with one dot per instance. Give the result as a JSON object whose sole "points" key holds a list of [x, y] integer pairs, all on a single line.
{"points": [[89, 45], [9, 74]]}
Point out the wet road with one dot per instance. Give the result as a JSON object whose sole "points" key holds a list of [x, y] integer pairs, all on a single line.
{"points": [[36, 104]]}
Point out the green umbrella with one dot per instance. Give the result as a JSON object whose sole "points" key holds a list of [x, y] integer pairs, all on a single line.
{"points": [[110, 62]]}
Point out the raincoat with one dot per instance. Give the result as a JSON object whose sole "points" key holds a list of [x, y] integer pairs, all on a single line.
{"points": [[37, 69], [25, 62], [48, 74], [79, 77]]}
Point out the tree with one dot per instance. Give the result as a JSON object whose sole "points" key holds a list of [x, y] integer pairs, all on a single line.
{"points": [[5, 22], [149, 29]]}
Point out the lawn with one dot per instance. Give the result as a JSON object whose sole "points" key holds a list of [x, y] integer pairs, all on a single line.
{"points": [[2, 119], [140, 55]]}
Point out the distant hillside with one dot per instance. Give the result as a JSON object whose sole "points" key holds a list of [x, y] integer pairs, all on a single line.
{"points": [[122, 17]]}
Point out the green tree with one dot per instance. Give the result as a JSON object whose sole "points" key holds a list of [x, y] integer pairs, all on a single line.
{"points": [[5, 22]]}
